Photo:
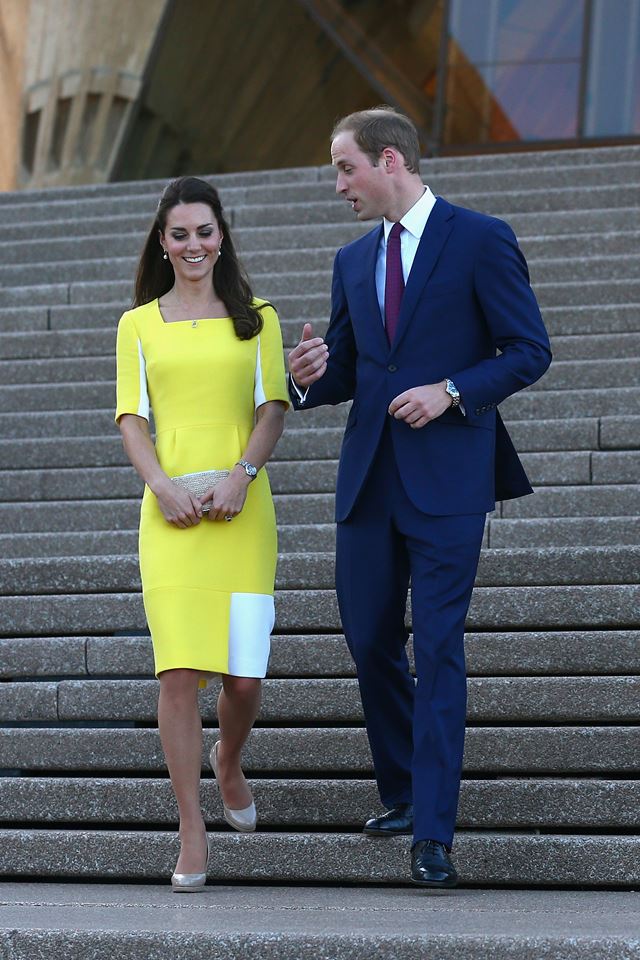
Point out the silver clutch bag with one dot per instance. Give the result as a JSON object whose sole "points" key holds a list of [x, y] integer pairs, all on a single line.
{"points": [[199, 483]]}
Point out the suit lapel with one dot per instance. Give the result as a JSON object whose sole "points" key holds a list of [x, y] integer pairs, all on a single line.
{"points": [[366, 285], [436, 232]]}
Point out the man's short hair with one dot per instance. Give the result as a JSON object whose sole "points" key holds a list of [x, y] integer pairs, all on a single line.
{"points": [[381, 127]]}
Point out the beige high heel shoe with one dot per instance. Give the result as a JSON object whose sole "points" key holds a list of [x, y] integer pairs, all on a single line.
{"points": [[191, 882], [243, 820]]}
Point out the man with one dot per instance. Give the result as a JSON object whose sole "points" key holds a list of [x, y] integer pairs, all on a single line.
{"points": [[433, 324]]}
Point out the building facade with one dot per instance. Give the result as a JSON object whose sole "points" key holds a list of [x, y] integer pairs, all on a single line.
{"points": [[99, 90]]}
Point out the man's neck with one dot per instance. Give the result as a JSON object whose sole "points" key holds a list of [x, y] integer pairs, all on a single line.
{"points": [[405, 198]]}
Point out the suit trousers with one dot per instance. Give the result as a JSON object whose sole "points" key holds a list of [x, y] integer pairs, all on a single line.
{"points": [[415, 728]]}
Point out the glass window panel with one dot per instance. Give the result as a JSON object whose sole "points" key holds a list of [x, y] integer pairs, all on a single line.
{"points": [[513, 70], [613, 89], [528, 102]]}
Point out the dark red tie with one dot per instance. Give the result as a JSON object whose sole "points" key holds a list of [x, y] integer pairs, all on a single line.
{"points": [[394, 282]]}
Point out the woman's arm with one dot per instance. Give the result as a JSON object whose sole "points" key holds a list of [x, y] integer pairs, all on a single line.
{"points": [[178, 506], [229, 495]]}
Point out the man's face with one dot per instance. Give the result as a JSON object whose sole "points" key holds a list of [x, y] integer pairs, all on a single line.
{"points": [[364, 186]]}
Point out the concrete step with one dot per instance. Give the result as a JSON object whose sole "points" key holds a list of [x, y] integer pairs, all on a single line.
{"points": [[585, 374], [512, 859], [548, 404], [312, 185], [613, 500], [557, 441], [582, 433], [286, 477], [306, 293], [543, 566], [549, 161], [114, 257], [563, 374], [511, 804], [144, 922], [258, 204], [321, 701], [303, 439], [320, 537], [291, 538], [77, 329], [563, 531], [596, 346], [556, 653], [45, 344], [588, 233], [492, 608], [546, 750]]}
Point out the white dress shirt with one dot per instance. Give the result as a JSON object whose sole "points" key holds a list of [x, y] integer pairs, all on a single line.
{"points": [[414, 223]]}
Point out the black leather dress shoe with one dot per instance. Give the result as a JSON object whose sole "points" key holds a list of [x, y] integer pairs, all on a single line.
{"points": [[395, 822], [431, 865]]}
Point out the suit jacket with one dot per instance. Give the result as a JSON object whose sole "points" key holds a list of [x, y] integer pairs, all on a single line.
{"points": [[468, 313]]}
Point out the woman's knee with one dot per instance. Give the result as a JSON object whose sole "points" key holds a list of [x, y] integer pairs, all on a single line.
{"points": [[245, 689], [179, 684]]}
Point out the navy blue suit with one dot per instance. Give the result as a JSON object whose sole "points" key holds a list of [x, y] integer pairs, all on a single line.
{"points": [[411, 503]]}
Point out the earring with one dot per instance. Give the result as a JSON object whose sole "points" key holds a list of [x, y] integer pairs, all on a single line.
{"points": [[165, 255], [220, 250]]}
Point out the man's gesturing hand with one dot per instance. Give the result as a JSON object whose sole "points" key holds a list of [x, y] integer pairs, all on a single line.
{"points": [[419, 405], [308, 361]]}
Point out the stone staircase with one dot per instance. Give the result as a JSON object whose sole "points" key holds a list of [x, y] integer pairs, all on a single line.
{"points": [[551, 794]]}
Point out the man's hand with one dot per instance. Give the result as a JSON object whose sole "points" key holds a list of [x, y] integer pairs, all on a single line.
{"points": [[308, 361], [419, 405]]}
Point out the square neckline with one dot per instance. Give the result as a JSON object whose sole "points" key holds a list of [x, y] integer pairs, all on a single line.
{"points": [[171, 323]]}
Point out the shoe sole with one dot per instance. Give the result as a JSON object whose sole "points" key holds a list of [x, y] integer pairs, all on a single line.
{"points": [[435, 884], [387, 833]]}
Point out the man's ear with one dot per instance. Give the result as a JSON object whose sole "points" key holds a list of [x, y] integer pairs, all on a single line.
{"points": [[389, 158]]}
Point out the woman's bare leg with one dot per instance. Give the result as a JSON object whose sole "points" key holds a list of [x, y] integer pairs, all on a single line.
{"points": [[238, 706], [181, 735]]}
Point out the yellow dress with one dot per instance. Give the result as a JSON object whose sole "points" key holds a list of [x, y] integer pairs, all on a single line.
{"points": [[207, 589]]}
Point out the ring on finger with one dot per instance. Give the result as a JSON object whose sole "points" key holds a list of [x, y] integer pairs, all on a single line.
{"points": [[228, 519]]}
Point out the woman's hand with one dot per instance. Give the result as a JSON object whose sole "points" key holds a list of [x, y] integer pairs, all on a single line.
{"points": [[179, 507], [228, 497]]}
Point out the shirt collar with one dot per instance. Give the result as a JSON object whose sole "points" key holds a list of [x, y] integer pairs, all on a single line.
{"points": [[415, 219]]}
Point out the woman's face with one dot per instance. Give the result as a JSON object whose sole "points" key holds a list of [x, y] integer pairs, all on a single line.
{"points": [[192, 239]]}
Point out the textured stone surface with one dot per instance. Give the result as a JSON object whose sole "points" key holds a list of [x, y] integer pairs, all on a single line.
{"points": [[592, 652], [613, 500], [564, 532], [485, 858], [552, 646], [146, 922], [316, 611], [545, 566], [619, 433], [607, 750], [484, 804], [491, 699]]}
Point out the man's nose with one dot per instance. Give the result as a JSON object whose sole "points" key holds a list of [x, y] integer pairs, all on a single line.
{"points": [[340, 185]]}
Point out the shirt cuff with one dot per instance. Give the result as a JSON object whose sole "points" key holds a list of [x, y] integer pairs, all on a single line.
{"points": [[301, 396]]}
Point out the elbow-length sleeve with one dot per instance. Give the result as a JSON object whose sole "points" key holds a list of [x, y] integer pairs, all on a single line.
{"points": [[132, 395], [270, 378]]}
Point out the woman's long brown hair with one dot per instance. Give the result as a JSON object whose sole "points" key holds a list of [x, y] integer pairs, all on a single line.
{"points": [[155, 275]]}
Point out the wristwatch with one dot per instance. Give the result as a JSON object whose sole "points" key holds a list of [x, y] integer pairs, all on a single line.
{"points": [[452, 390], [249, 468]]}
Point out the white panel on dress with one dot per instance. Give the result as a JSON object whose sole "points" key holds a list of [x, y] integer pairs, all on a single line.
{"points": [[259, 396], [143, 404], [251, 621]]}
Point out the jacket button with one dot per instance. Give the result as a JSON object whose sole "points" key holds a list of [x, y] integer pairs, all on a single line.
{"points": [[392, 368]]}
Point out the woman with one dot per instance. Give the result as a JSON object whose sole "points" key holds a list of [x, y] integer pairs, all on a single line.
{"points": [[207, 357]]}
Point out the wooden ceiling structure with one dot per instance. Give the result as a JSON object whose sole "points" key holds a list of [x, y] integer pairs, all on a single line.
{"points": [[254, 84]]}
